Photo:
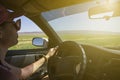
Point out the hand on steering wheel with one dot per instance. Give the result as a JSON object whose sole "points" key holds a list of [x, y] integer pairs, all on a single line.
{"points": [[66, 59]]}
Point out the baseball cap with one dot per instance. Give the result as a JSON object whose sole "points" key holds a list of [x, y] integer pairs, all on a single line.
{"points": [[8, 16]]}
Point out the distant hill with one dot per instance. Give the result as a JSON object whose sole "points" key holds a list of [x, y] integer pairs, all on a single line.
{"points": [[25, 33], [89, 32], [75, 32]]}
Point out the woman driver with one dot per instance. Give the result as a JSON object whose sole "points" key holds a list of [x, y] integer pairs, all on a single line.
{"points": [[8, 38]]}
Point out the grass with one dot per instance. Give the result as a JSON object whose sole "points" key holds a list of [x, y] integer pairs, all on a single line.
{"points": [[105, 40]]}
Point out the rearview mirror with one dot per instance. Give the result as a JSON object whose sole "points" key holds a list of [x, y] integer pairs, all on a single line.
{"points": [[104, 11]]}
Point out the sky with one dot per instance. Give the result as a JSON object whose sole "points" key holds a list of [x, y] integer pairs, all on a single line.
{"points": [[82, 22], [75, 22], [27, 25]]}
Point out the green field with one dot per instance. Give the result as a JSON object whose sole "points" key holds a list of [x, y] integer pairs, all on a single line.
{"points": [[109, 41], [105, 40]]}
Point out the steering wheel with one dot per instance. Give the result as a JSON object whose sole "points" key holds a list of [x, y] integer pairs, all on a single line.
{"points": [[68, 63]]}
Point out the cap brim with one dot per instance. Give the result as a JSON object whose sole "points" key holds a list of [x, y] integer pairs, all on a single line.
{"points": [[6, 15], [13, 15]]}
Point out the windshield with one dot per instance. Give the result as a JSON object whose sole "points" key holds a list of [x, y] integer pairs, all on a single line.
{"points": [[73, 23]]}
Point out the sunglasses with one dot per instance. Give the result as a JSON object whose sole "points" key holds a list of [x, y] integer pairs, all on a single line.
{"points": [[17, 24]]}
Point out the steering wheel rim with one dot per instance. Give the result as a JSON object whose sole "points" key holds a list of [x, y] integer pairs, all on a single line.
{"points": [[61, 54], [84, 64]]}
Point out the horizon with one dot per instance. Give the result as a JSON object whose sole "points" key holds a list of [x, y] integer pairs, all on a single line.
{"points": [[76, 31]]}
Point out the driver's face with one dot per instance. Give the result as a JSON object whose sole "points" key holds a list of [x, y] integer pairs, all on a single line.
{"points": [[9, 34]]}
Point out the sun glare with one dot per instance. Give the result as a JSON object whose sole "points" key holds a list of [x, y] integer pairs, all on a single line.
{"points": [[109, 14]]}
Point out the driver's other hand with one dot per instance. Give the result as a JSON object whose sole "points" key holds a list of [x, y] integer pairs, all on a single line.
{"points": [[52, 51], [45, 78]]}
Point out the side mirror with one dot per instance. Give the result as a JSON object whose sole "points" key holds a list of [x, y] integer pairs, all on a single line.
{"points": [[105, 11], [40, 42]]}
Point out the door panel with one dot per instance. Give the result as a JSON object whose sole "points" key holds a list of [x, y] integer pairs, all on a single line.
{"points": [[21, 58]]}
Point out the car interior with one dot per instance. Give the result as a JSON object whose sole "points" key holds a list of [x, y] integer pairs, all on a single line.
{"points": [[72, 61]]}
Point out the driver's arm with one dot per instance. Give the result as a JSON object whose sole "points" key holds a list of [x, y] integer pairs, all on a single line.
{"points": [[30, 69], [23, 73]]}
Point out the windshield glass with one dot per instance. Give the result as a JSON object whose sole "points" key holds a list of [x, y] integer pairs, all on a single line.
{"points": [[75, 25]]}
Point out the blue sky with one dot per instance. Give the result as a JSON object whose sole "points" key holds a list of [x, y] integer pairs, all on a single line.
{"points": [[27, 25]]}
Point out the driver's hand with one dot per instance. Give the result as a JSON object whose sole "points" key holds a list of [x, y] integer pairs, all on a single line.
{"points": [[45, 78], [51, 52]]}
